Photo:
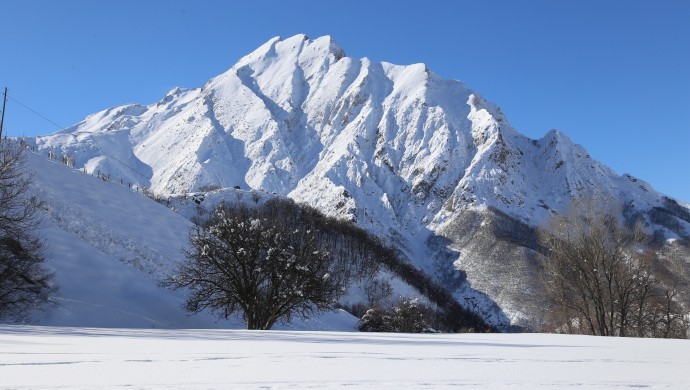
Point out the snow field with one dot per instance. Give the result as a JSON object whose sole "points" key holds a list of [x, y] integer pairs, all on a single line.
{"points": [[74, 358]]}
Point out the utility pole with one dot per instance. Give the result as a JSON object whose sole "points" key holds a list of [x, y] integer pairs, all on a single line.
{"points": [[2, 121]]}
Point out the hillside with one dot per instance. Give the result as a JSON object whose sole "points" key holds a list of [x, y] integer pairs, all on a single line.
{"points": [[109, 246]]}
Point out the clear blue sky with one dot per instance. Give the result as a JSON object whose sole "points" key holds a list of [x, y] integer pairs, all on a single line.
{"points": [[613, 75]]}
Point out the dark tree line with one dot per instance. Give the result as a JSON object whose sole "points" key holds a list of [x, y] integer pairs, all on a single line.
{"points": [[451, 317], [25, 284], [269, 263], [279, 260]]}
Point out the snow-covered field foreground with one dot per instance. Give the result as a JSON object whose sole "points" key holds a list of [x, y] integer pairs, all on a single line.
{"points": [[50, 357]]}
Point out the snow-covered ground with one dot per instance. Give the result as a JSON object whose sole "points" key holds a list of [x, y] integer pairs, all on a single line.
{"points": [[50, 357]]}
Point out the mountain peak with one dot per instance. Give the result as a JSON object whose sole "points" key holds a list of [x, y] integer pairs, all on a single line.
{"points": [[558, 140], [296, 113], [296, 46]]}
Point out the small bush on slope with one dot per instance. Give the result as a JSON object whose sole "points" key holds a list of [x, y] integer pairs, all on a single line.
{"points": [[409, 316]]}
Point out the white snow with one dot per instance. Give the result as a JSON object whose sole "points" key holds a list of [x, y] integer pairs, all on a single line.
{"points": [[86, 358]]}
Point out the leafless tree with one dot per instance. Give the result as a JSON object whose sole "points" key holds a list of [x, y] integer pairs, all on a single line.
{"points": [[602, 279], [265, 263], [25, 284]]}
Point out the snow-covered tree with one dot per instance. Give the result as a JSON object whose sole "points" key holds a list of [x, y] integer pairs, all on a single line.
{"points": [[410, 315], [25, 284], [376, 319], [267, 263]]}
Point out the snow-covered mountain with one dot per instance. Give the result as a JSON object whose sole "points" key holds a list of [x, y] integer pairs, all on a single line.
{"points": [[425, 162]]}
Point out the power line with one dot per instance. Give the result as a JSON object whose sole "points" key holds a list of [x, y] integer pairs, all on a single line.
{"points": [[75, 137]]}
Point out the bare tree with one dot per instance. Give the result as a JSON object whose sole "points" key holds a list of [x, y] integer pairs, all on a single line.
{"points": [[266, 265], [24, 282], [601, 278]]}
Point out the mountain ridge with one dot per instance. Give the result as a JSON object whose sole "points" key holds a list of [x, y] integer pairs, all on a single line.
{"points": [[396, 149]]}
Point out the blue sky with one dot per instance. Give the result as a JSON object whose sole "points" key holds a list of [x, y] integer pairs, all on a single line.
{"points": [[613, 75]]}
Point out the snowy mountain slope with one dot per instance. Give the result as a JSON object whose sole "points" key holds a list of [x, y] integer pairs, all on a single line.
{"points": [[397, 149], [109, 246]]}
